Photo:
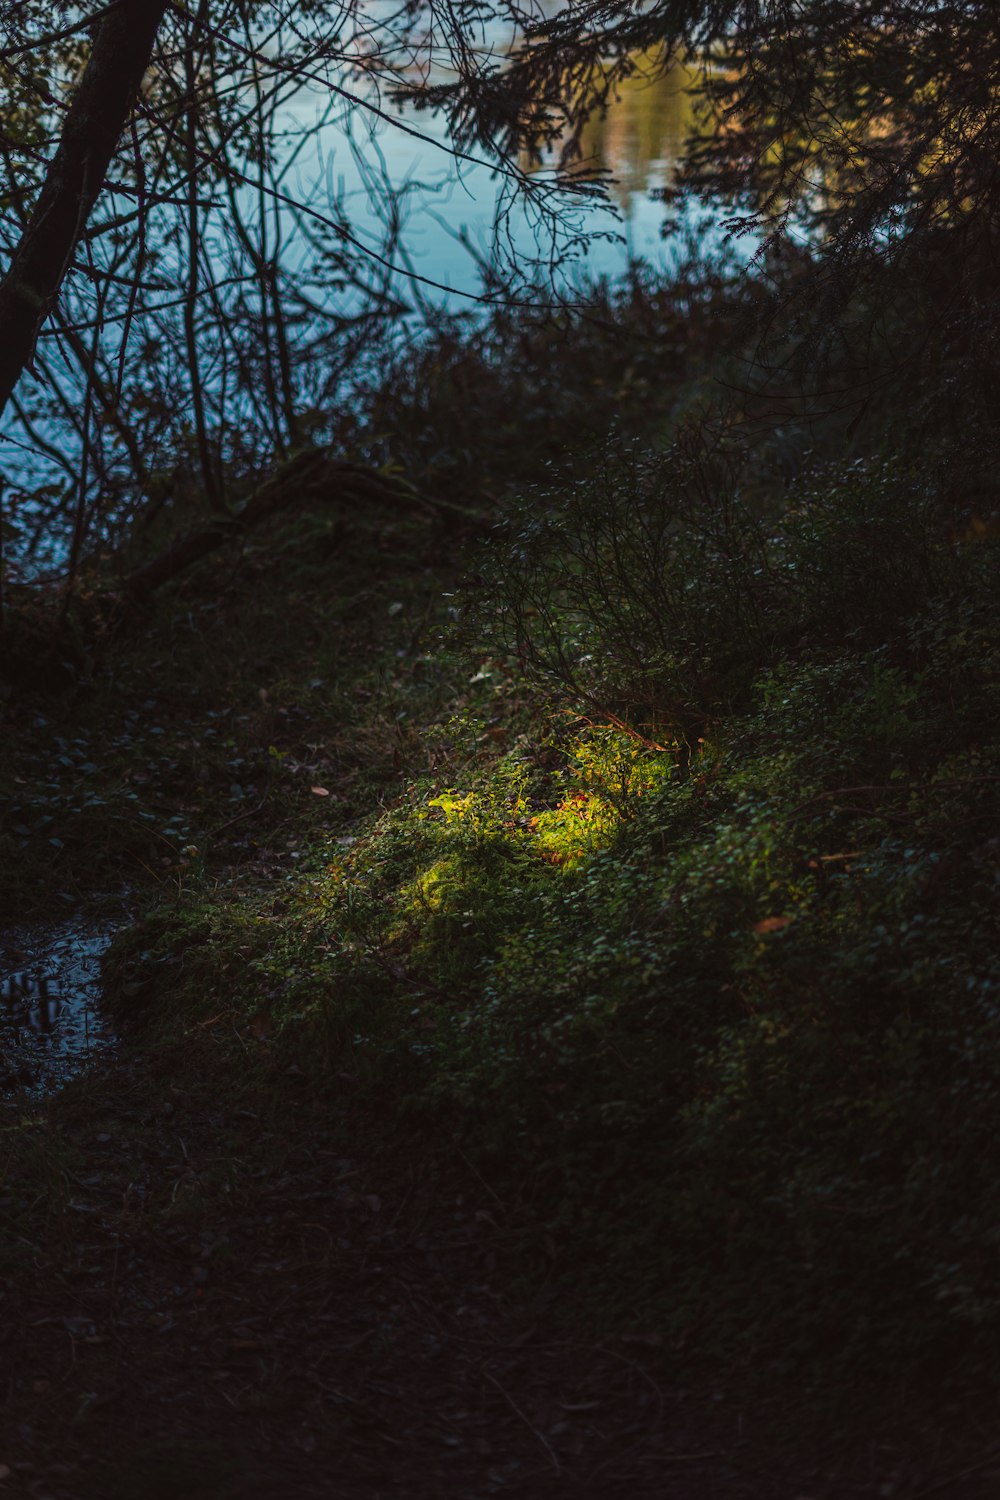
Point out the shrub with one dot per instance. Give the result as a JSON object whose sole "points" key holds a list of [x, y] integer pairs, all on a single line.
{"points": [[710, 981]]}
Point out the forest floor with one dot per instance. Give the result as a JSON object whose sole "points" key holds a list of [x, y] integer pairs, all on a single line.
{"points": [[216, 1284], [245, 1298]]}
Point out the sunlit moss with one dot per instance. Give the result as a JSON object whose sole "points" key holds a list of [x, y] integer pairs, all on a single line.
{"points": [[434, 891], [620, 767], [607, 771], [581, 825]]}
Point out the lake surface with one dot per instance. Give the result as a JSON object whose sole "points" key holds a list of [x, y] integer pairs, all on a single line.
{"points": [[448, 207], [365, 164]]}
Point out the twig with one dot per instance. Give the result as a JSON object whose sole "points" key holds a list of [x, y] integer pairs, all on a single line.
{"points": [[639, 1370], [527, 1421], [403, 976], [250, 812], [474, 1169], [908, 787], [940, 1484]]}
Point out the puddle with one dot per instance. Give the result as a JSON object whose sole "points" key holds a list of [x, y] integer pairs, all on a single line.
{"points": [[51, 1022]]}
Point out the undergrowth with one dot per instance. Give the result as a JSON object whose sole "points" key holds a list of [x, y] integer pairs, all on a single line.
{"points": [[686, 926], [279, 689]]}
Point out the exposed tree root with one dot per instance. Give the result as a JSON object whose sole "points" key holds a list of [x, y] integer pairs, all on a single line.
{"points": [[308, 476]]}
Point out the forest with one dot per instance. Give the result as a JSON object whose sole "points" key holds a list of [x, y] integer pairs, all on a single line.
{"points": [[499, 749]]}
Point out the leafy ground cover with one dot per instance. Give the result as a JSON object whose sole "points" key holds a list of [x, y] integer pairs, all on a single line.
{"points": [[229, 1291], [718, 1008], [563, 991]]}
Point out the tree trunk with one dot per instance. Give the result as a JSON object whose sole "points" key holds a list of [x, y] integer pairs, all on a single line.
{"points": [[120, 54]]}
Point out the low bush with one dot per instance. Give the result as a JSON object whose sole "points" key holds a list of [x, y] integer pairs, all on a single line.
{"points": [[703, 966]]}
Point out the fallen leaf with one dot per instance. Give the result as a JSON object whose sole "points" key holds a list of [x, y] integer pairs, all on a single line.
{"points": [[773, 924], [319, 791]]}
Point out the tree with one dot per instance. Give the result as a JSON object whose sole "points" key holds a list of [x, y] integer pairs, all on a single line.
{"points": [[121, 51], [856, 141], [187, 315]]}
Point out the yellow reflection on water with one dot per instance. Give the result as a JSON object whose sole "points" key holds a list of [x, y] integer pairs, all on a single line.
{"points": [[641, 135]]}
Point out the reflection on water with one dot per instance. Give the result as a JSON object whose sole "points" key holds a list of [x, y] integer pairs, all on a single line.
{"points": [[641, 136], [448, 205], [51, 1023], [427, 230]]}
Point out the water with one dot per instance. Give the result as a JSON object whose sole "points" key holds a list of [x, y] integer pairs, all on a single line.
{"points": [[449, 206], [370, 163], [51, 1021]]}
